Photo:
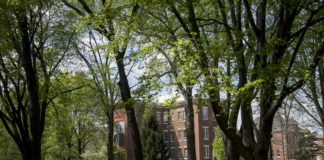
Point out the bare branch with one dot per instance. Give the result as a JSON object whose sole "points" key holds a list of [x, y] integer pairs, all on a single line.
{"points": [[287, 90], [250, 17], [310, 22], [74, 8], [306, 110], [67, 91], [86, 6]]}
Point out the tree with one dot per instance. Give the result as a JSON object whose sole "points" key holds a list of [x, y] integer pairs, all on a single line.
{"points": [[264, 67], [73, 119], [175, 60], [100, 65], [30, 57], [152, 140], [308, 149], [310, 97], [115, 21], [256, 53], [218, 145], [231, 54]]}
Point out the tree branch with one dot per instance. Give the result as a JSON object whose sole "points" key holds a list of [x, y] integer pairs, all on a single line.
{"points": [[67, 91], [304, 108], [86, 7], [250, 17], [309, 22], [177, 14], [74, 8], [287, 90]]}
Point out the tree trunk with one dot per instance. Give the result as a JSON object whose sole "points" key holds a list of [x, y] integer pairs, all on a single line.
{"points": [[32, 83], [80, 149], [126, 97], [231, 153], [190, 128], [110, 143], [261, 149], [26, 153], [69, 157]]}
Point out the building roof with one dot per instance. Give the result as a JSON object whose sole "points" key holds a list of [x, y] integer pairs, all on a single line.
{"points": [[278, 121]]}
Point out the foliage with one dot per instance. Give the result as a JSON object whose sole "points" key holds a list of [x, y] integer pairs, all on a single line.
{"points": [[74, 121], [35, 41], [8, 149], [218, 145], [119, 154], [152, 140], [101, 154], [114, 22], [233, 55], [307, 147]]}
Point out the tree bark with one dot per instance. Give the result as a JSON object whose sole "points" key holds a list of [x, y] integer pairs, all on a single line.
{"points": [[32, 83], [190, 128], [231, 153], [110, 142], [79, 148], [126, 98]]}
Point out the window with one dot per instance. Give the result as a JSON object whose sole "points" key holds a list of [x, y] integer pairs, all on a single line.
{"points": [[179, 152], [158, 117], [179, 135], [172, 152], [179, 116], [172, 117], [206, 132], [166, 135], [184, 115], [184, 135], [278, 153], [172, 135], [206, 151], [214, 117], [165, 117], [185, 152], [205, 113]]}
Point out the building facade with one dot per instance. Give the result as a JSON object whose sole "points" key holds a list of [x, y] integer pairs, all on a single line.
{"points": [[172, 125], [285, 135]]}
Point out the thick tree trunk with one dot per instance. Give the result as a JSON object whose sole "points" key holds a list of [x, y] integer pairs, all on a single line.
{"points": [[231, 153], [110, 143], [190, 128], [26, 153], [261, 149], [32, 83], [26, 156], [126, 97]]}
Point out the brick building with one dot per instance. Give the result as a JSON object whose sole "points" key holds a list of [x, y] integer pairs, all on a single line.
{"points": [[284, 139], [319, 142], [172, 125]]}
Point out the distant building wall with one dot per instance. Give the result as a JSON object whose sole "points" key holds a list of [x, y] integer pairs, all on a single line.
{"points": [[175, 130], [284, 142], [172, 125]]}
